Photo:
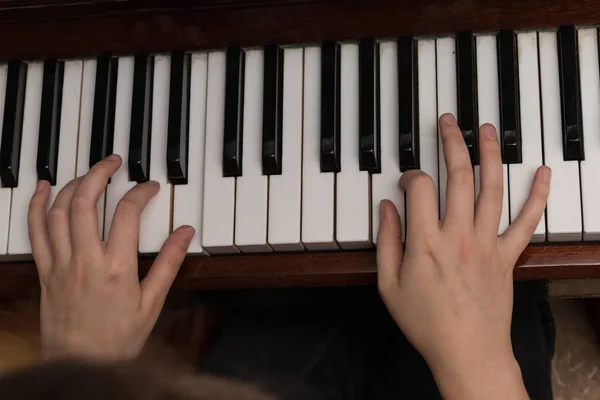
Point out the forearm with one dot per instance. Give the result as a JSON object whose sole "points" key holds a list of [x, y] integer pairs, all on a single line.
{"points": [[488, 380]]}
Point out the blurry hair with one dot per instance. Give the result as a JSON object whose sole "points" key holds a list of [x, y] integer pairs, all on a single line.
{"points": [[78, 379]]}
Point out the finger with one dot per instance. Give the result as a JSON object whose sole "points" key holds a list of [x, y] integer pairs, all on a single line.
{"points": [[421, 203], [489, 202], [460, 192], [389, 245], [125, 229], [38, 229], [84, 206], [157, 283], [519, 233], [58, 221]]}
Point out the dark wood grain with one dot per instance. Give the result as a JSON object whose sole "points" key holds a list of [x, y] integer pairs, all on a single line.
{"points": [[39, 29], [318, 269]]}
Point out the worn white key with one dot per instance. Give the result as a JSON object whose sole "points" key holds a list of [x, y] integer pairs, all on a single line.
{"points": [[5, 193], [219, 191], [385, 184], [428, 117], [188, 199], [521, 175], [155, 221], [446, 102], [285, 197], [590, 110], [18, 238], [489, 109], [120, 183], [353, 212], [563, 210], [318, 189], [85, 132], [252, 188]]}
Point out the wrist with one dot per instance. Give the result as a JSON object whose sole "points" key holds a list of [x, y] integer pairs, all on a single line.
{"points": [[489, 378]]}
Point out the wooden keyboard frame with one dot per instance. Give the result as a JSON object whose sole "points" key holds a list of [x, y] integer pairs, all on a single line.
{"points": [[40, 29]]}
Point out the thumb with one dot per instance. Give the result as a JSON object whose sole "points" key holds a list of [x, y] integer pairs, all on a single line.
{"points": [[389, 244], [155, 286]]}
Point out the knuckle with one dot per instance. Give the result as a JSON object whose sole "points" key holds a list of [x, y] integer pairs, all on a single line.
{"points": [[114, 278], [127, 208], [421, 182], [57, 214], [540, 197], [464, 246], [35, 203], [80, 205], [429, 240], [461, 175], [490, 151], [493, 191], [450, 132], [172, 260], [100, 165]]}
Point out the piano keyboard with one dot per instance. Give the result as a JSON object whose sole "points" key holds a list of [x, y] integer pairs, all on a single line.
{"points": [[292, 148]]}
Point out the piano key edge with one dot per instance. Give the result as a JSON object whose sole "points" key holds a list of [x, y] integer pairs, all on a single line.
{"points": [[18, 279]]}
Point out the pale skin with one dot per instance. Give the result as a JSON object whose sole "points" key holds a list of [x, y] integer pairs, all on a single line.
{"points": [[450, 290]]}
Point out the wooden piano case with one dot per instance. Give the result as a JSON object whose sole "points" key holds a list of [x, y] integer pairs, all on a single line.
{"points": [[39, 29]]}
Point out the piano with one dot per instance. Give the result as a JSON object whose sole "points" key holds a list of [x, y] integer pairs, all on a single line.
{"points": [[276, 126]]}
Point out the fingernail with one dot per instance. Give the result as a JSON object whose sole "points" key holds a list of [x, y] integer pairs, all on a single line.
{"points": [[546, 174], [112, 157], [189, 231], [384, 210], [40, 186], [489, 131], [449, 119], [381, 210]]}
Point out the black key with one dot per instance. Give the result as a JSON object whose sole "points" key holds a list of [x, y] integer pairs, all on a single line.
{"points": [[368, 91], [103, 117], [140, 135], [52, 88], [234, 112], [330, 107], [179, 122], [408, 96], [570, 94], [12, 126], [272, 140], [510, 122], [467, 100]]}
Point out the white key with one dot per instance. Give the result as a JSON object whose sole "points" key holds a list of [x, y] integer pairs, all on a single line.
{"points": [[489, 109], [188, 199], [155, 224], [428, 125], [590, 103], [318, 196], [446, 102], [564, 203], [385, 184], [120, 183], [252, 188], [69, 127], [219, 191], [285, 195], [18, 239], [521, 175], [5, 193], [85, 131], [353, 212]]}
